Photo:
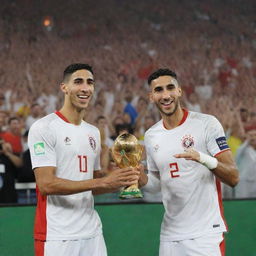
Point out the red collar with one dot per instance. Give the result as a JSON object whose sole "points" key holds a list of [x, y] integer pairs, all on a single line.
{"points": [[185, 115], [61, 116]]}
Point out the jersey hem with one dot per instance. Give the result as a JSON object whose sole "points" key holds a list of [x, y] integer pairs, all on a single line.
{"points": [[181, 238], [60, 238]]}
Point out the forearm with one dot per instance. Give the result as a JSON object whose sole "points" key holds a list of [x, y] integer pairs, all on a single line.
{"points": [[227, 173], [59, 186], [222, 166]]}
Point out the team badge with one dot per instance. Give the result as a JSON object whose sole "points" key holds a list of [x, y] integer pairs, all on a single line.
{"points": [[187, 141], [92, 143]]}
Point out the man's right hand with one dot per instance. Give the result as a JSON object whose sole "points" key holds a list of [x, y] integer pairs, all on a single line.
{"points": [[121, 178]]}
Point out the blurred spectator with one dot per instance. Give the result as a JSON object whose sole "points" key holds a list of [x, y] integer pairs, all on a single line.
{"points": [[35, 114], [246, 162], [102, 124], [8, 173], [25, 172], [3, 105], [192, 102], [129, 108], [13, 135]]}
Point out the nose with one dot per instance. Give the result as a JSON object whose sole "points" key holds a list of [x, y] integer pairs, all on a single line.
{"points": [[166, 94], [85, 87]]}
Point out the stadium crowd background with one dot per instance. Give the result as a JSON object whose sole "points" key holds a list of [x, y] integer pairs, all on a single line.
{"points": [[211, 45]]}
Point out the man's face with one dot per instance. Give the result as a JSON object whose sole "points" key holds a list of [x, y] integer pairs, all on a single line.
{"points": [[165, 93], [15, 126], [79, 89]]}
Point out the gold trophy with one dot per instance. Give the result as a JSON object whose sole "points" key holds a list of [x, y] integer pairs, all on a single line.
{"points": [[127, 152]]}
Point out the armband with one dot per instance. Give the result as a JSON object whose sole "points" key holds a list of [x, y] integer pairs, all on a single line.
{"points": [[208, 161]]}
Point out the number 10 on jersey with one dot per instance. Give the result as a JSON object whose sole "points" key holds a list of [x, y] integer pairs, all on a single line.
{"points": [[82, 163]]}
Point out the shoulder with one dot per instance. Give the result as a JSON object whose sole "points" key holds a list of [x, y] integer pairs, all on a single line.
{"points": [[205, 119], [45, 121], [90, 128], [44, 125], [155, 128]]}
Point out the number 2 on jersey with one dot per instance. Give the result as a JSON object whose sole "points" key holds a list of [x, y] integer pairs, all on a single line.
{"points": [[82, 163], [174, 169]]}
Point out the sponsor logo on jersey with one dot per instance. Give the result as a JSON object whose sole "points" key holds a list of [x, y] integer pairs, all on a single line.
{"points": [[222, 143], [39, 148], [92, 143], [67, 141], [187, 141]]}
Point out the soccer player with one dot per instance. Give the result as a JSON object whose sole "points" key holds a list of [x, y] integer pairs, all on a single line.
{"points": [[65, 153], [187, 158]]}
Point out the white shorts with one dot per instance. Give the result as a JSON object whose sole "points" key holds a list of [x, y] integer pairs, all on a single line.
{"points": [[208, 245], [83, 247]]}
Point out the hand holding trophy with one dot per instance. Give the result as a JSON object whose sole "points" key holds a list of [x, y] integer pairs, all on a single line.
{"points": [[127, 152]]}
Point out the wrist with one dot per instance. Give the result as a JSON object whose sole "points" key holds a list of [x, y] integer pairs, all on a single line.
{"points": [[208, 161]]}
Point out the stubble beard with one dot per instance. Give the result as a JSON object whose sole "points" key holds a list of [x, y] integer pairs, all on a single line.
{"points": [[162, 112]]}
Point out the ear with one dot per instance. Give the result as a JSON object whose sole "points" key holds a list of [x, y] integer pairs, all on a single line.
{"points": [[180, 91], [64, 88]]}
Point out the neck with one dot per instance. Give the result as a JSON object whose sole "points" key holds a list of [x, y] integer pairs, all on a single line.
{"points": [[170, 122], [73, 115]]}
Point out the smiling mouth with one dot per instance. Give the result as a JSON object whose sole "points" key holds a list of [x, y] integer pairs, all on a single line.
{"points": [[83, 97], [166, 104]]}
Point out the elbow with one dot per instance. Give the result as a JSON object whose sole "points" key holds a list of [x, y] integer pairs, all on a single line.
{"points": [[235, 179], [45, 189]]}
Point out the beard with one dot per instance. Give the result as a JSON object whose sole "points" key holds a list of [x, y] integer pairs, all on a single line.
{"points": [[168, 112]]}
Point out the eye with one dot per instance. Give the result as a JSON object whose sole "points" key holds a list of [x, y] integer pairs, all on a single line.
{"points": [[90, 81], [78, 81], [158, 89], [171, 87]]}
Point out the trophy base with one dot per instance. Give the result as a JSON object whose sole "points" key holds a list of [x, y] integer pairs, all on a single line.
{"points": [[128, 194]]}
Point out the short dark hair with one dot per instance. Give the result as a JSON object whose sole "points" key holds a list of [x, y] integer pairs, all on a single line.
{"points": [[12, 119], [69, 70], [161, 72]]}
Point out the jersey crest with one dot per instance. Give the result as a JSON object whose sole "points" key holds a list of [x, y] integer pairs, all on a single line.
{"points": [[92, 142], [187, 141]]}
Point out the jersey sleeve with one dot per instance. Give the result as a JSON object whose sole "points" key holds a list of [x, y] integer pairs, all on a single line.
{"points": [[151, 166], [97, 160], [216, 141], [41, 141]]}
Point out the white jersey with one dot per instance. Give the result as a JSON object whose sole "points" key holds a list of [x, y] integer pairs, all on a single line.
{"points": [[75, 152], [190, 192]]}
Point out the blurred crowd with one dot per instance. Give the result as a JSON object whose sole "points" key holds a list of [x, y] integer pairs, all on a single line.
{"points": [[211, 45]]}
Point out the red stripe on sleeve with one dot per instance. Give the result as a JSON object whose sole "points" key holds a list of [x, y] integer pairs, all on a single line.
{"points": [[40, 228], [228, 149], [218, 185]]}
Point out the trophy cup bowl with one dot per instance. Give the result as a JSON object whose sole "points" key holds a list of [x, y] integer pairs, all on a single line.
{"points": [[127, 152]]}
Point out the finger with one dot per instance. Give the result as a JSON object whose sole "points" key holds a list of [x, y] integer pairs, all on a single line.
{"points": [[183, 155]]}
